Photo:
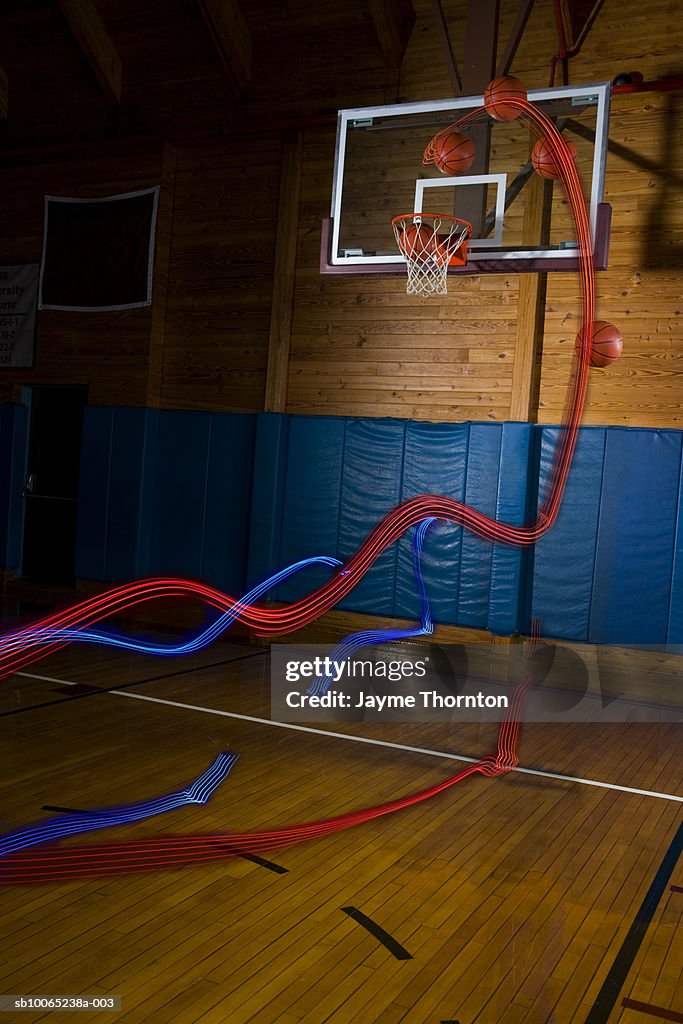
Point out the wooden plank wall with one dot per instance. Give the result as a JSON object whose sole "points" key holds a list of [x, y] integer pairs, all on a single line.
{"points": [[107, 351], [362, 347], [221, 275], [359, 345]]}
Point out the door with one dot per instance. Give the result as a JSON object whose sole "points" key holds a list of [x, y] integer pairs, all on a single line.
{"points": [[51, 485]]}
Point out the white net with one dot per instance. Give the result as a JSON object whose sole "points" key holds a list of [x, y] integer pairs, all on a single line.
{"points": [[430, 243]]}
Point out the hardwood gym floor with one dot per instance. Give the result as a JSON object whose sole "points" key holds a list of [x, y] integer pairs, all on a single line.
{"points": [[520, 899]]}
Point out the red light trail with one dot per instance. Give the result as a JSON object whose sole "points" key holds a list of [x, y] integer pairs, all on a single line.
{"points": [[168, 852]]}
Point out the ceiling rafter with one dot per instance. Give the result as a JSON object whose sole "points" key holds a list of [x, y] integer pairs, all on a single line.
{"points": [[516, 34], [394, 21], [231, 37], [447, 48], [96, 45]]}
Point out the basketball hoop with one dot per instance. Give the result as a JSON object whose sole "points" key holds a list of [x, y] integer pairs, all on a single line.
{"points": [[430, 243]]}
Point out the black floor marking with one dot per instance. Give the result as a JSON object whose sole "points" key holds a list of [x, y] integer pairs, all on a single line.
{"points": [[652, 1011], [261, 861], [126, 686], [65, 810], [75, 688], [277, 868], [387, 940], [618, 972]]}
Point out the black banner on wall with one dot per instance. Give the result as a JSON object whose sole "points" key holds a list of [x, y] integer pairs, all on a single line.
{"points": [[98, 253]]}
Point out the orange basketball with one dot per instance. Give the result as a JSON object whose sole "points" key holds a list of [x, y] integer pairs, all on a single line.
{"points": [[544, 162], [415, 240], [501, 96], [606, 343], [439, 248], [453, 153], [446, 253]]}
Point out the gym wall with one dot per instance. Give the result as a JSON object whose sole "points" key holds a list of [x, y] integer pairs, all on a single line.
{"points": [[359, 346], [231, 499]]}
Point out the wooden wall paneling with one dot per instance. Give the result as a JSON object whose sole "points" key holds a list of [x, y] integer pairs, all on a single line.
{"points": [[358, 345], [183, 88], [394, 21], [221, 278], [230, 34], [640, 292], [313, 59], [515, 37], [95, 44], [362, 346], [55, 96], [283, 280], [447, 48], [172, 79], [478, 65], [108, 351], [162, 260], [531, 307], [481, 45]]}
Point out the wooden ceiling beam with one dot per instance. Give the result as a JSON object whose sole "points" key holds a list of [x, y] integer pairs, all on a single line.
{"points": [[446, 47], [394, 21], [231, 37], [96, 45], [515, 36], [4, 92]]}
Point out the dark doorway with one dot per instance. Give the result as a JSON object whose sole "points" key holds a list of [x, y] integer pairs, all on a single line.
{"points": [[51, 486]]}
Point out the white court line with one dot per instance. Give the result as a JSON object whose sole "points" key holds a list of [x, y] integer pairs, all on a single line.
{"points": [[46, 679], [394, 746]]}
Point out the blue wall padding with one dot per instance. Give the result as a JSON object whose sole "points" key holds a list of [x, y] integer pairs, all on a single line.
{"points": [[507, 599], [232, 498], [321, 484], [267, 496], [312, 499], [147, 525], [228, 501], [126, 481], [371, 486], [164, 493], [202, 494], [635, 551], [481, 492], [675, 625], [93, 493], [13, 456], [180, 493], [115, 475], [434, 462], [564, 558]]}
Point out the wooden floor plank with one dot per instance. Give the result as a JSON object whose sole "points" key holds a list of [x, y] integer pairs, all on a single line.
{"points": [[512, 895]]}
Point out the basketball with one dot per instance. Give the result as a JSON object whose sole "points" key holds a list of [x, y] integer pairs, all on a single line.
{"points": [[544, 162], [501, 97], [415, 240], [439, 248], [606, 343], [453, 153]]}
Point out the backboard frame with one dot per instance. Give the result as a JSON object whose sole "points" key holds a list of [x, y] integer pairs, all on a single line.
{"points": [[484, 256]]}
